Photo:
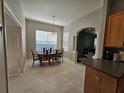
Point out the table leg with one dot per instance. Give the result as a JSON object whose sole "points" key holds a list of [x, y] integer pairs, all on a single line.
{"points": [[41, 62]]}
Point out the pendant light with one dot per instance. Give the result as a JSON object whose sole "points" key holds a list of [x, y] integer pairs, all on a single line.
{"points": [[53, 33]]}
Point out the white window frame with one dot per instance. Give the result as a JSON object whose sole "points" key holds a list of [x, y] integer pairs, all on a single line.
{"points": [[66, 41]]}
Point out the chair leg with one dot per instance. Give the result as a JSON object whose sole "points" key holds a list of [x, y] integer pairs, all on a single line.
{"points": [[56, 59], [62, 59], [49, 62], [33, 63], [41, 63]]}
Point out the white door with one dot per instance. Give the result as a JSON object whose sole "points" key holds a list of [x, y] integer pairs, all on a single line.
{"points": [[12, 50]]}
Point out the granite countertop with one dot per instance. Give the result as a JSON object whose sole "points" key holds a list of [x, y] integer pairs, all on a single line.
{"points": [[114, 69]]}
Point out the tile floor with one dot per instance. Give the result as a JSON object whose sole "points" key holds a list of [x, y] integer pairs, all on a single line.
{"points": [[67, 77]]}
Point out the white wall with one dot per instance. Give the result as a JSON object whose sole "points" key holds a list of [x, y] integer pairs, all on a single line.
{"points": [[95, 19], [32, 26], [15, 8]]}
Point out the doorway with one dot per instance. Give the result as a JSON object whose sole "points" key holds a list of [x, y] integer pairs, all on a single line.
{"points": [[13, 45], [86, 43]]}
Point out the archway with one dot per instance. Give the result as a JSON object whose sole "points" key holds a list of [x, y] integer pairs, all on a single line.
{"points": [[86, 43]]}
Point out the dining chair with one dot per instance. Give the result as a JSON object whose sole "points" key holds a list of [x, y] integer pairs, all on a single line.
{"points": [[35, 57], [45, 57], [44, 50], [57, 56], [53, 56], [50, 50]]}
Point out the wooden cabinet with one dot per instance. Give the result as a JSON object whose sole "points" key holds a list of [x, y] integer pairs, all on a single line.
{"points": [[107, 84], [98, 82], [91, 84], [120, 88], [114, 36]]}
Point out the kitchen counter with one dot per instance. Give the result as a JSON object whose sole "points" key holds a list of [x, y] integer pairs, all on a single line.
{"points": [[103, 76], [114, 69]]}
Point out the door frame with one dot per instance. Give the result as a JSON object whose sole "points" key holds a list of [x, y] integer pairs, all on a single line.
{"points": [[18, 29], [19, 46]]}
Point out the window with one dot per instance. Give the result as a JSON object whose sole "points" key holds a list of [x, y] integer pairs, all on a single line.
{"points": [[74, 43], [65, 40], [45, 39]]}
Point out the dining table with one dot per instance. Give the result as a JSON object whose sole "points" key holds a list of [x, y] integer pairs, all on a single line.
{"points": [[48, 56]]}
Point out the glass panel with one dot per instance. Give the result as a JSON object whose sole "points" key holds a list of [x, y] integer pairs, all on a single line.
{"points": [[52, 40], [45, 39]]}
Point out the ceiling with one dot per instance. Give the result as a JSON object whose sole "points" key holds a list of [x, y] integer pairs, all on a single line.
{"points": [[65, 11]]}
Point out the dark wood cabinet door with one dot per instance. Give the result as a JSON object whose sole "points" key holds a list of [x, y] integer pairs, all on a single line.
{"points": [[91, 84], [98, 82], [115, 36], [121, 85], [106, 38], [107, 84], [121, 26]]}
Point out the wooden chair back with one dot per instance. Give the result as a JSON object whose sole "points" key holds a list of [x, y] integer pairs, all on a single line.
{"points": [[44, 50], [57, 53], [45, 55], [32, 52], [35, 56], [50, 50]]}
